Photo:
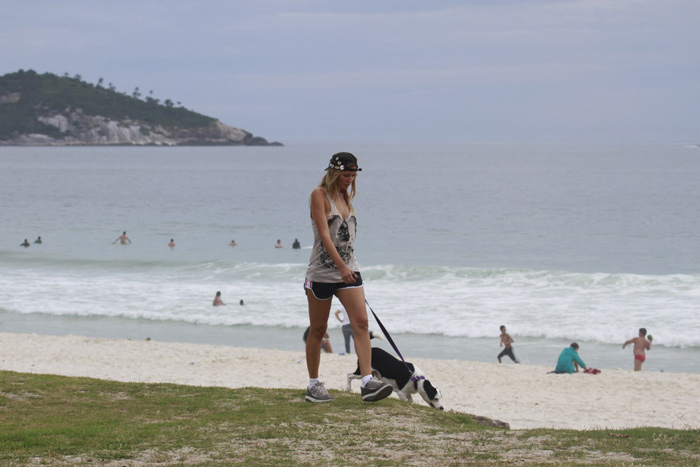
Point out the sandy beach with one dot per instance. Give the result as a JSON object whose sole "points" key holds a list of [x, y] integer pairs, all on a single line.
{"points": [[524, 396]]}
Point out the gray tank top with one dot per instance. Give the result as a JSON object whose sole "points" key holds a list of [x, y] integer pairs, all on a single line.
{"points": [[321, 266]]}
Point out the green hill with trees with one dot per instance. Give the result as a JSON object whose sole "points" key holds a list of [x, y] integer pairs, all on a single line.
{"points": [[51, 109]]}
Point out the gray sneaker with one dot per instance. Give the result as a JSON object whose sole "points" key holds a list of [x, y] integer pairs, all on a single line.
{"points": [[375, 390], [318, 393]]}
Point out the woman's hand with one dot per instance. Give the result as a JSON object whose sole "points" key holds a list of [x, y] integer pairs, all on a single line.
{"points": [[347, 274]]}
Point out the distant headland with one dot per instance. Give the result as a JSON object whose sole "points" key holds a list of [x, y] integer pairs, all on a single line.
{"points": [[51, 110]]}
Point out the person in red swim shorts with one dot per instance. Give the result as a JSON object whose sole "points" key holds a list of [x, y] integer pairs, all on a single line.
{"points": [[641, 345]]}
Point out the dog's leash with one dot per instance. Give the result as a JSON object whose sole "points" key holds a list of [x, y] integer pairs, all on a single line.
{"points": [[414, 378]]}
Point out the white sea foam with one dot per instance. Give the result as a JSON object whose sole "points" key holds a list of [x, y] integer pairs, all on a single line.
{"points": [[449, 301]]}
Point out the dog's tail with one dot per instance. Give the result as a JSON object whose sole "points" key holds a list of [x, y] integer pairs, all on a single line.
{"points": [[376, 335]]}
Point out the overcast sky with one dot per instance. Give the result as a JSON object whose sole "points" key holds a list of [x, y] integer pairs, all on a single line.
{"points": [[386, 71]]}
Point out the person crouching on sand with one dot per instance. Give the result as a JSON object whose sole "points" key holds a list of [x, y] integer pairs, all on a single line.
{"points": [[641, 345], [569, 360]]}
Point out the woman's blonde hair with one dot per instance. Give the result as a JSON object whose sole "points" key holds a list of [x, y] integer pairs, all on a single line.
{"points": [[329, 182]]}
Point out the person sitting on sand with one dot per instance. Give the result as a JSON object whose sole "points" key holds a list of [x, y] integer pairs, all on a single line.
{"points": [[325, 342], [641, 343], [123, 239], [507, 341], [217, 300], [569, 361], [25, 243]]}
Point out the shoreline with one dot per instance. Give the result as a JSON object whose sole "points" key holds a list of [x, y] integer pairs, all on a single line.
{"points": [[532, 351], [525, 396]]}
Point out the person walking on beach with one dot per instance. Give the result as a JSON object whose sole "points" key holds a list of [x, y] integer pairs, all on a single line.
{"points": [[123, 239], [333, 270], [342, 316], [642, 343], [569, 361], [217, 300], [506, 341]]}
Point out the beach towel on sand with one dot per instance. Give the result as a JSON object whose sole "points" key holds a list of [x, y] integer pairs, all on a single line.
{"points": [[592, 371]]}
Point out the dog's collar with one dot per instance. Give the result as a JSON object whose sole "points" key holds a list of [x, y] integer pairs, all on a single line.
{"points": [[415, 380]]}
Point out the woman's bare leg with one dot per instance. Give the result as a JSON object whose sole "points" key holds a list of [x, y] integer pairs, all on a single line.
{"points": [[319, 310], [353, 299]]}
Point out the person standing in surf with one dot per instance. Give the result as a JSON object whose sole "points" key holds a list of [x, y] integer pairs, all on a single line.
{"points": [[642, 343], [123, 239], [333, 270], [217, 300]]}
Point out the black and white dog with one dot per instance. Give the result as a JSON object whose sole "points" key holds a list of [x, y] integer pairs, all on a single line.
{"points": [[406, 383]]}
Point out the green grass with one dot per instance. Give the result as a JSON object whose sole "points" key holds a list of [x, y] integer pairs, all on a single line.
{"points": [[55, 420]]}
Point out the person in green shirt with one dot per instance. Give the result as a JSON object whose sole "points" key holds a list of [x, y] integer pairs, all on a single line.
{"points": [[569, 361]]}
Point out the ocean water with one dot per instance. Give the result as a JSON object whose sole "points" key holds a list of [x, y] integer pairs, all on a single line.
{"points": [[560, 243]]}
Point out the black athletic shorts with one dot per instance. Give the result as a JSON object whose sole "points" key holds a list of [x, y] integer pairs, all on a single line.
{"points": [[326, 290]]}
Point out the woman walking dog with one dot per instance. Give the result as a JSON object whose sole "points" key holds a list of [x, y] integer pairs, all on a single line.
{"points": [[333, 270]]}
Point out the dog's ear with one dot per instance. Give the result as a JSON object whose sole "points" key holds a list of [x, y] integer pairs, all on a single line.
{"points": [[429, 389]]}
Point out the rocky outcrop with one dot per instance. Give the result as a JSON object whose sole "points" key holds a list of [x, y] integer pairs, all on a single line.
{"points": [[75, 128], [11, 98]]}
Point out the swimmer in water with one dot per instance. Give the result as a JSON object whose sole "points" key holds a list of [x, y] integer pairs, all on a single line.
{"points": [[123, 239], [217, 300]]}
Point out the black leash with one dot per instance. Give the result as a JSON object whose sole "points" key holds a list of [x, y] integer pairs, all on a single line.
{"points": [[391, 341]]}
